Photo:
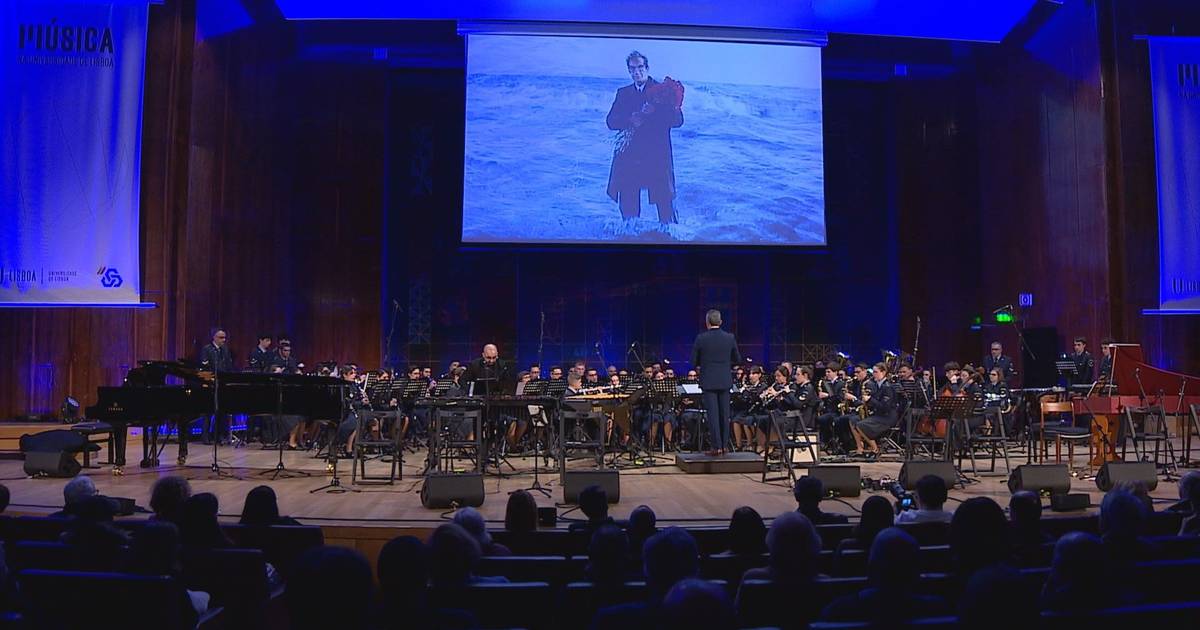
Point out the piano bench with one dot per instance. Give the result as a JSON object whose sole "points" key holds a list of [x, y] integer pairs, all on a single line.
{"points": [[96, 433]]}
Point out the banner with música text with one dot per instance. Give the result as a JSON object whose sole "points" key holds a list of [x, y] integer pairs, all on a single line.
{"points": [[1175, 81], [71, 78]]}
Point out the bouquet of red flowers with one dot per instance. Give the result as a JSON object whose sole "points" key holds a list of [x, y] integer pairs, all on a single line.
{"points": [[666, 93]]}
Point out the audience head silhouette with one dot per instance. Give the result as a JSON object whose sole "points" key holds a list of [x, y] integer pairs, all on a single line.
{"points": [[892, 563], [931, 492], [454, 553], [694, 603], [262, 508], [403, 567], [1122, 516], [877, 515], [979, 535], [747, 532], [167, 497], [323, 575], [593, 502], [520, 515], [669, 556], [608, 555], [794, 544]]}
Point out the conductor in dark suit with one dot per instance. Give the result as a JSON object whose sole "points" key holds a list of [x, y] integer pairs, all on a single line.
{"points": [[715, 353], [644, 158]]}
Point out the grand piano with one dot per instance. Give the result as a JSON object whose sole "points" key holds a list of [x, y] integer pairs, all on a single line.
{"points": [[146, 400], [1139, 387]]}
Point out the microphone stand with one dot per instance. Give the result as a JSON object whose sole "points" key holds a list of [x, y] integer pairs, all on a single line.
{"points": [[633, 350], [1024, 404], [1188, 423], [387, 354]]}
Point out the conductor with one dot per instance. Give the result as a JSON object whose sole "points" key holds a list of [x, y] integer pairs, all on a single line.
{"points": [[714, 354]]}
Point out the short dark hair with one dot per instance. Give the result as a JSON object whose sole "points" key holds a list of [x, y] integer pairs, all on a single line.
{"points": [[713, 316], [593, 502], [882, 367], [520, 515], [1082, 340], [1025, 508], [167, 496], [805, 370], [931, 490], [264, 335], [784, 371], [808, 491], [635, 55]]}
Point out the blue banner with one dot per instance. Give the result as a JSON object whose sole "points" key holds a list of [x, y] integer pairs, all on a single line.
{"points": [[1175, 80], [71, 76]]}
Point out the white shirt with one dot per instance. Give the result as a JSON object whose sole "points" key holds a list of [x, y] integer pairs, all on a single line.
{"points": [[923, 516]]}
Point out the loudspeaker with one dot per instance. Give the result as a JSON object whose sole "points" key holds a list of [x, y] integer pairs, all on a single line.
{"points": [[1054, 478], [547, 516], [444, 490], [841, 481], [911, 472], [576, 480], [51, 464], [1112, 473], [1069, 502]]}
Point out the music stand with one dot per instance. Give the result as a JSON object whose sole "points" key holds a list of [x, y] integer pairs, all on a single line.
{"points": [[280, 469], [537, 389], [217, 471], [1067, 370], [951, 408], [335, 484]]}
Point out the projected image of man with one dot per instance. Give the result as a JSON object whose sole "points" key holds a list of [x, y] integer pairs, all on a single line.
{"points": [[644, 113]]}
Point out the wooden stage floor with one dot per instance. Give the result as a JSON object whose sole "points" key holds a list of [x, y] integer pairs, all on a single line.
{"points": [[676, 497]]}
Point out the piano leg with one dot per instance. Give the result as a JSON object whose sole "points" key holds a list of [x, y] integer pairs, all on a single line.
{"points": [[120, 432], [185, 432]]}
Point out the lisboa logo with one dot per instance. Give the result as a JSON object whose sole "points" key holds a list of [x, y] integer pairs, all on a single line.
{"points": [[110, 278]]}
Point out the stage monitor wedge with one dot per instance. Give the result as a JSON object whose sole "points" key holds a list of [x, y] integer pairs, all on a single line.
{"points": [[615, 134]]}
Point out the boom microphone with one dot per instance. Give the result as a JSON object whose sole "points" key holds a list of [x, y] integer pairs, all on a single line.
{"points": [[1003, 309]]}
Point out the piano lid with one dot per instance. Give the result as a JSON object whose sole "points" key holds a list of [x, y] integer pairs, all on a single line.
{"points": [[1129, 369]]}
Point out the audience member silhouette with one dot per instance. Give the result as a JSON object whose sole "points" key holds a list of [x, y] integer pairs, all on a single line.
{"points": [[75, 492], [1079, 573], [1025, 525], [609, 564], [520, 515], [1122, 522], [472, 522], [1191, 524], [643, 523], [979, 536], [262, 509], [808, 492], [96, 543], [891, 596], [167, 497], [156, 551], [931, 496], [793, 545], [593, 502], [747, 533], [198, 525], [877, 515], [1189, 484], [330, 587], [454, 556], [403, 570], [998, 598], [668, 557], [693, 604]]}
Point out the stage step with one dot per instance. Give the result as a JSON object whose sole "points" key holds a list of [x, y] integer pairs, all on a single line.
{"points": [[701, 464]]}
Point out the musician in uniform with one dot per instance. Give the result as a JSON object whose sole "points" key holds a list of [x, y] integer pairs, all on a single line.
{"points": [[356, 403], [490, 373], [744, 405], [1085, 365], [879, 396], [853, 392], [215, 357], [997, 359], [995, 397], [828, 395], [261, 356], [1106, 360], [591, 378]]}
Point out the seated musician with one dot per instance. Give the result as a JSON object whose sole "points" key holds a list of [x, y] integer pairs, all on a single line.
{"points": [[1106, 360], [575, 388], [535, 372], [1085, 365], [995, 397], [299, 429], [615, 387], [660, 415], [381, 399], [262, 355], [780, 396], [518, 424], [997, 359], [356, 403], [803, 396], [879, 396], [744, 405], [591, 378], [913, 394], [418, 417], [690, 411], [829, 393], [853, 392]]}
